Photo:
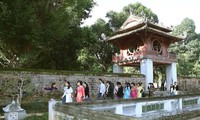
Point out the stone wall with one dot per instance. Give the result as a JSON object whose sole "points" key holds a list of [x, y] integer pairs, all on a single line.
{"points": [[45, 79], [191, 84], [38, 79]]}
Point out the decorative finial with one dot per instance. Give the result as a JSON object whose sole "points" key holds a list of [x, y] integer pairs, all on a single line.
{"points": [[131, 12], [103, 36], [142, 13], [110, 25], [184, 35]]}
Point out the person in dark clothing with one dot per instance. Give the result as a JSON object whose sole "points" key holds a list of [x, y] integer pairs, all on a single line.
{"points": [[87, 94], [151, 89], [175, 86], [109, 89], [120, 93], [52, 88], [163, 85]]}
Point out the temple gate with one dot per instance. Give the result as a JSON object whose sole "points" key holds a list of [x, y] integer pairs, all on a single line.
{"points": [[145, 44]]}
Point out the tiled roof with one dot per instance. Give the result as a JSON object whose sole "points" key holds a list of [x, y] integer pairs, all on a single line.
{"points": [[135, 24], [150, 29]]}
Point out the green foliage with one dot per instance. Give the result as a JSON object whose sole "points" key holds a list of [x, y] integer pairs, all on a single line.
{"points": [[42, 34], [131, 70], [102, 50], [35, 107], [117, 19], [97, 55], [188, 26], [184, 67], [188, 50], [46, 34]]}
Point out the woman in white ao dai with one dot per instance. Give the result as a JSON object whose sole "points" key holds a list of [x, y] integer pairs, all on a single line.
{"points": [[67, 96]]}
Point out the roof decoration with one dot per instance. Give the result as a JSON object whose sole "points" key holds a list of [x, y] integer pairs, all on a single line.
{"points": [[131, 21], [136, 24]]}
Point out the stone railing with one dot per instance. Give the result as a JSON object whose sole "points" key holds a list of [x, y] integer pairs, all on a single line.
{"points": [[151, 108], [75, 111]]}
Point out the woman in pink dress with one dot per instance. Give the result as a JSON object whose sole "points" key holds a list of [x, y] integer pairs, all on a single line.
{"points": [[116, 90], [80, 92], [133, 91]]}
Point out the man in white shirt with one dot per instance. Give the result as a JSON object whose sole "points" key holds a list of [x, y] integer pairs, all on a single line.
{"points": [[101, 90]]}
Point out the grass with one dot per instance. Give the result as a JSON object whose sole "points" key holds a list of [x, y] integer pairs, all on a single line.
{"points": [[35, 117]]}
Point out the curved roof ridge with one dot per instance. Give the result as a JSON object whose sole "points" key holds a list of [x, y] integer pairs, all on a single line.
{"points": [[132, 21]]}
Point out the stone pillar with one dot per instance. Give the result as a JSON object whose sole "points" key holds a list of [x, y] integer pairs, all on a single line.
{"points": [[167, 105], [198, 101], [52, 102], [180, 103], [146, 68], [171, 75], [119, 109], [117, 68], [138, 109]]}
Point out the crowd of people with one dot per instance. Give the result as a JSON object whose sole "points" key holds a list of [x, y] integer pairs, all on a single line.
{"points": [[108, 91], [105, 91]]}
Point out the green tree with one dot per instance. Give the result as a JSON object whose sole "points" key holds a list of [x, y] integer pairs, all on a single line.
{"points": [[187, 50], [187, 26], [116, 19], [43, 34], [96, 49]]}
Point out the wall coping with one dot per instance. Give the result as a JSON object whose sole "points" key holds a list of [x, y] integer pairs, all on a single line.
{"points": [[189, 77], [112, 101], [84, 107], [65, 72], [98, 114]]}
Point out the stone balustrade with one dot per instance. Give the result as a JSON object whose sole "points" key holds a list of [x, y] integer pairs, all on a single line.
{"points": [[149, 109]]}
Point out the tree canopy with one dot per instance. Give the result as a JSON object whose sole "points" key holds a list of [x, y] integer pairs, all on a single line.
{"points": [[116, 19], [188, 50], [101, 52], [42, 34], [47, 34]]}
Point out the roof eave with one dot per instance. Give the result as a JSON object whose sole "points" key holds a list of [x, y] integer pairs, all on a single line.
{"points": [[163, 28], [124, 34], [174, 38]]}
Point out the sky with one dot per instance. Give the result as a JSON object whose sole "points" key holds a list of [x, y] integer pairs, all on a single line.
{"points": [[169, 12]]}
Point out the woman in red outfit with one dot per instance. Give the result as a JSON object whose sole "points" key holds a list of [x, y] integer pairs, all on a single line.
{"points": [[80, 92], [133, 91]]}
